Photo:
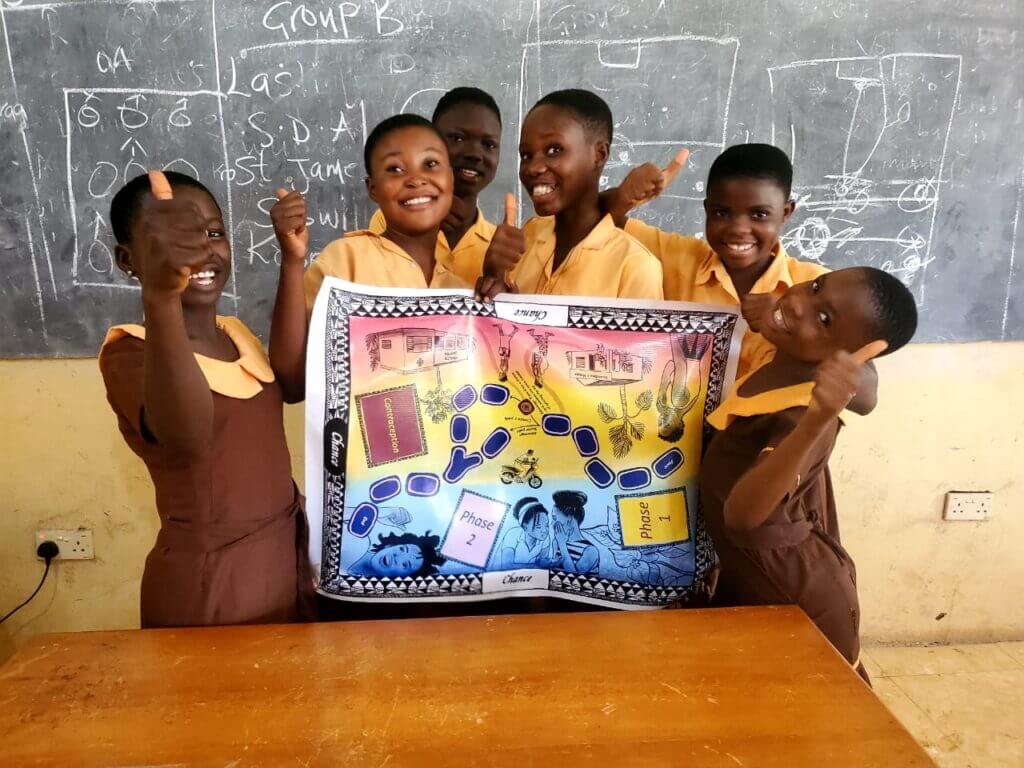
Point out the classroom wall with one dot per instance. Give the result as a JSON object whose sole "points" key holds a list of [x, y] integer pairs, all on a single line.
{"points": [[951, 417]]}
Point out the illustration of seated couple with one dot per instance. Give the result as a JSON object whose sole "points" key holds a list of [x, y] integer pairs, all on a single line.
{"points": [[552, 539], [542, 539]]}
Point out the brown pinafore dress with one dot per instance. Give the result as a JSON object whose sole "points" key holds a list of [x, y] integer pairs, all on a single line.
{"points": [[795, 557], [232, 546]]}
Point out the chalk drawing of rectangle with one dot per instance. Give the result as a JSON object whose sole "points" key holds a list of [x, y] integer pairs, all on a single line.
{"points": [[88, 108], [672, 89], [887, 161], [474, 529]]}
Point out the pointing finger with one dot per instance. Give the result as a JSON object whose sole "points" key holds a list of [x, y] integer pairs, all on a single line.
{"points": [[282, 193]]}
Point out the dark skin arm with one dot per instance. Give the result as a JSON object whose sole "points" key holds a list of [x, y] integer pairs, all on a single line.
{"points": [[763, 487], [641, 185], [290, 325], [177, 403]]}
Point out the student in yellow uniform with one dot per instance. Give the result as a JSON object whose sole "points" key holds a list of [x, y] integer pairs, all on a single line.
{"points": [[470, 123], [571, 247], [747, 205], [409, 177]]}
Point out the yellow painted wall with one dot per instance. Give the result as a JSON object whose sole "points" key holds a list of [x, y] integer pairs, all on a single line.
{"points": [[950, 417]]}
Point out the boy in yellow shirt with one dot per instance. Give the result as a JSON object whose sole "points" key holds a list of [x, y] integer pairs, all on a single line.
{"points": [[410, 178], [469, 121], [747, 205], [571, 247]]}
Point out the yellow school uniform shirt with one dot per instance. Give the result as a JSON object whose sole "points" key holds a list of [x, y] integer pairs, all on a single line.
{"points": [[694, 272], [736, 406], [467, 258], [367, 258], [607, 263]]}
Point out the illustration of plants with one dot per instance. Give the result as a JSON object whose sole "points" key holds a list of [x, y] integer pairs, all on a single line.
{"points": [[627, 427], [438, 401]]}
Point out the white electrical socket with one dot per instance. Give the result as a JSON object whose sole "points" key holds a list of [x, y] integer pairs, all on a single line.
{"points": [[73, 545], [967, 505]]}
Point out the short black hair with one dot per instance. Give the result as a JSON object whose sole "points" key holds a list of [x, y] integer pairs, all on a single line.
{"points": [[894, 305], [124, 207], [390, 125], [753, 161], [571, 503], [466, 95], [427, 543], [591, 109], [528, 508]]}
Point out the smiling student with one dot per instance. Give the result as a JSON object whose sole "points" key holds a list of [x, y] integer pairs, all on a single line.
{"points": [[571, 247], [470, 122], [197, 401], [765, 484], [408, 175]]}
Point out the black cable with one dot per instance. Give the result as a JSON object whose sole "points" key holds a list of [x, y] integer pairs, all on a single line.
{"points": [[47, 550]]}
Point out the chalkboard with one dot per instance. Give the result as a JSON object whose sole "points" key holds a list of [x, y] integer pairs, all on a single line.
{"points": [[905, 121]]}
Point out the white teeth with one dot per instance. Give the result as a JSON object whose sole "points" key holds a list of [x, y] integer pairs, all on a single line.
{"points": [[207, 275], [779, 318], [417, 201], [740, 246], [542, 189], [468, 172]]}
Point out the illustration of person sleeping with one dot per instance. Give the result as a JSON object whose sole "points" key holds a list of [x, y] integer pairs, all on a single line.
{"points": [[529, 544], [573, 552], [396, 555]]}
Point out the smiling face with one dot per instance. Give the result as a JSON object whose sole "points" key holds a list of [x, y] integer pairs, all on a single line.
{"points": [[813, 320], [472, 133], [397, 560], [411, 179], [743, 220], [206, 283], [559, 164]]}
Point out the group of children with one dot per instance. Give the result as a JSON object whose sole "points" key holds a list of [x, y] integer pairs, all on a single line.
{"points": [[199, 401]]}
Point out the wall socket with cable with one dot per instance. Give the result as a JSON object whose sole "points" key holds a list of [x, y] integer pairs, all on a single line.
{"points": [[73, 544]]}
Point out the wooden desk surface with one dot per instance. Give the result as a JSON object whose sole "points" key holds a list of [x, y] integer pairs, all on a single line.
{"points": [[739, 687]]}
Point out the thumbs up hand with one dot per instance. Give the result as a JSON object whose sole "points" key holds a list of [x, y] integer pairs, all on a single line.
{"points": [[507, 246], [837, 379], [172, 243], [289, 218], [641, 185]]}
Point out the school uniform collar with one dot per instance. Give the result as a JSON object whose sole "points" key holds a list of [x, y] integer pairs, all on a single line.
{"points": [[443, 259], [480, 232], [596, 240], [241, 379], [482, 229], [778, 274], [737, 406]]}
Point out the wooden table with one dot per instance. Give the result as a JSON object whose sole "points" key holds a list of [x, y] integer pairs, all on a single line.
{"points": [[739, 687]]}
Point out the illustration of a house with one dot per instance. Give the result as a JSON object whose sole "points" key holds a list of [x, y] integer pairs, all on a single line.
{"points": [[604, 367], [411, 350]]}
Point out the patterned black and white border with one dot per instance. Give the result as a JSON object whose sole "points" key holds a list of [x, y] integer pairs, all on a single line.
{"points": [[343, 305]]}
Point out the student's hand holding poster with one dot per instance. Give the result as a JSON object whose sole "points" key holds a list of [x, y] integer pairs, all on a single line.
{"points": [[530, 446]]}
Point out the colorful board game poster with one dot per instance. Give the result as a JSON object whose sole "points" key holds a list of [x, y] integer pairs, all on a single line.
{"points": [[534, 446]]}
